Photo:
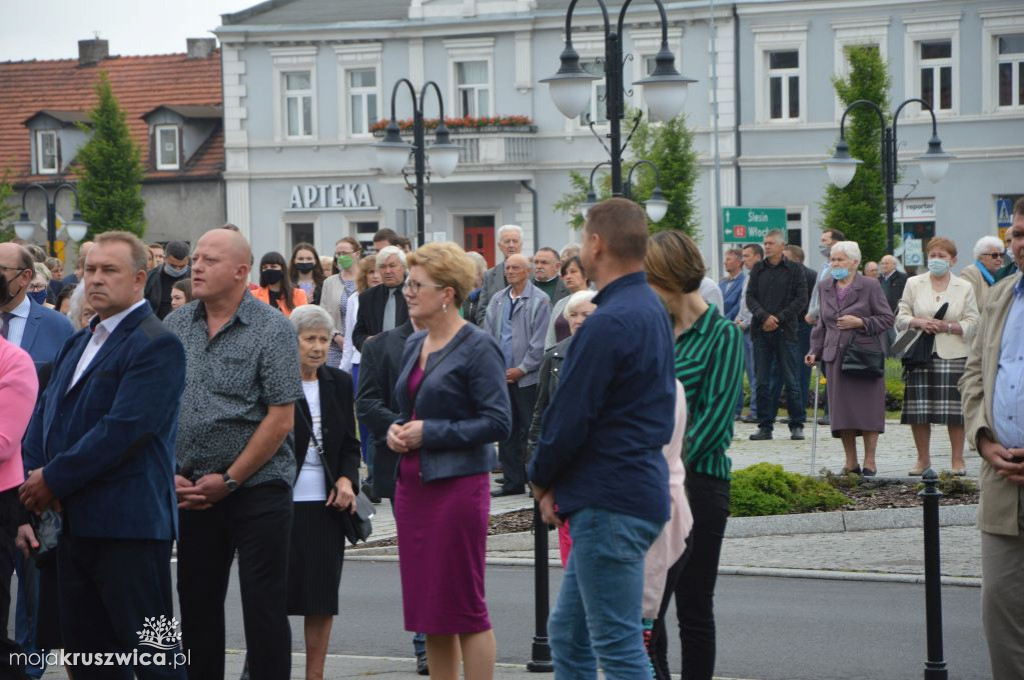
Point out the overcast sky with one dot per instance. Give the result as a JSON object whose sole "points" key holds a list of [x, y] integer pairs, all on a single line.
{"points": [[51, 29]]}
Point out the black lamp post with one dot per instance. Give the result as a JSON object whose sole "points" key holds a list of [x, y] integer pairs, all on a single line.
{"points": [[25, 228], [393, 153], [656, 206], [841, 167], [664, 89]]}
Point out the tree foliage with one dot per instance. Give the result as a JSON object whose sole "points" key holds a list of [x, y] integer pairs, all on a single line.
{"points": [[669, 146], [7, 209], [858, 210], [110, 172]]}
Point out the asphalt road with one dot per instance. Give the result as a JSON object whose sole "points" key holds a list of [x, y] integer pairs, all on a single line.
{"points": [[769, 628]]}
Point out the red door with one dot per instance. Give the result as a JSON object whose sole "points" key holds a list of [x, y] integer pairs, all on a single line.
{"points": [[479, 237]]}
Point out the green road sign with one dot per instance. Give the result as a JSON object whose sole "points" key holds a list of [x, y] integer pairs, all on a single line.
{"points": [[750, 225]]}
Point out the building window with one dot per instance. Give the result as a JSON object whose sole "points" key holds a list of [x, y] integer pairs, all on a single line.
{"points": [[167, 154], [298, 104], [46, 152], [597, 110], [1011, 70], [936, 60], [362, 100], [473, 88], [784, 85], [301, 232]]}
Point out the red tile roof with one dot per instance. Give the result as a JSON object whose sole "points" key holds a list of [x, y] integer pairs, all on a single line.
{"points": [[141, 84]]}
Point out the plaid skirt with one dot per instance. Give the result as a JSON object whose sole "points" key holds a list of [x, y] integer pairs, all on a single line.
{"points": [[932, 395]]}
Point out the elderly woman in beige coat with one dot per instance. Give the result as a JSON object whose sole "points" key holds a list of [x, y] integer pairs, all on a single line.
{"points": [[988, 260], [931, 394]]}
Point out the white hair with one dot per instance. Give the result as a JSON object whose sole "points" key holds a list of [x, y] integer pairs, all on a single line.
{"points": [[576, 299], [851, 249], [478, 260], [311, 317], [76, 306], [387, 251], [986, 243], [510, 227]]}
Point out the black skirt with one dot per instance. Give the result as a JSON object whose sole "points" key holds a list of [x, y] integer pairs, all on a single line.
{"points": [[314, 564]]}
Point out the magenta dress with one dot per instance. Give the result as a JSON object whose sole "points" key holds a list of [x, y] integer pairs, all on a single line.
{"points": [[442, 545]]}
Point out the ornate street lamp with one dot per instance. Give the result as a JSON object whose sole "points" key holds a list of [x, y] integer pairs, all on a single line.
{"points": [[656, 206], [76, 227], [393, 152]]}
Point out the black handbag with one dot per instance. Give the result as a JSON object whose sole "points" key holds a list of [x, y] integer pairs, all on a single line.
{"points": [[921, 351], [356, 526], [47, 528], [863, 362]]}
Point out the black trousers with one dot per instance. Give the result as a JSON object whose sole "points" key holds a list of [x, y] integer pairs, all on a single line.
{"points": [[108, 588], [9, 515], [692, 580], [512, 452], [257, 522]]}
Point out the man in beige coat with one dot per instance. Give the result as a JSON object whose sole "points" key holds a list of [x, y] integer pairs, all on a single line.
{"points": [[993, 412]]}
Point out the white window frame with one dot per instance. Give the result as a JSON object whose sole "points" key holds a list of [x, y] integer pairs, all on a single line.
{"points": [[778, 38], [292, 60], [925, 28], [464, 50], [596, 102], [856, 32], [475, 90], [996, 23], [784, 74], [177, 147], [357, 57], [40, 168]]}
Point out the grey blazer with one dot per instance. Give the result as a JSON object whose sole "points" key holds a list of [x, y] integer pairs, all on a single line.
{"points": [[864, 300]]}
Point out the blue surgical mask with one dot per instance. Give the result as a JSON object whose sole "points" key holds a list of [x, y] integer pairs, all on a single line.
{"points": [[39, 296], [840, 273], [938, 267]]}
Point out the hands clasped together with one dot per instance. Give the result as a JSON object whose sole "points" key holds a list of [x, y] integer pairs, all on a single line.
{"points": [[405, 437]]}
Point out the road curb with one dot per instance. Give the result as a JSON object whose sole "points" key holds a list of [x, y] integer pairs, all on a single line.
{"points": [[846, 520]]}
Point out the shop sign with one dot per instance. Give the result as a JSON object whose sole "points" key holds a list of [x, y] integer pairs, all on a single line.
{"points": [[320, 197]]}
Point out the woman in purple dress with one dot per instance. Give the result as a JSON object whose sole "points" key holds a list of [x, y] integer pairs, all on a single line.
{"points": [[854, 313], [453, 403]]}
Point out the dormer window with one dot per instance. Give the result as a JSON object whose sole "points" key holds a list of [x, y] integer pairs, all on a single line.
{"points": [[46, 152], [167, 148]]}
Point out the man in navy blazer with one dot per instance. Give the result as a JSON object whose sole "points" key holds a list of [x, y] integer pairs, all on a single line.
{"points": [[100, 448]]}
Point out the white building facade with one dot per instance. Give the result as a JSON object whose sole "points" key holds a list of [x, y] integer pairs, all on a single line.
{"points": [[304, 81]]}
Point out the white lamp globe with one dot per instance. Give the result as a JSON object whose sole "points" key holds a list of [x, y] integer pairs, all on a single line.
{"points": [[935, 162], [443, 158]]}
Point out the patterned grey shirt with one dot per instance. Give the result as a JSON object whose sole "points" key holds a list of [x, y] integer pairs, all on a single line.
{"points": [[252, 363]]}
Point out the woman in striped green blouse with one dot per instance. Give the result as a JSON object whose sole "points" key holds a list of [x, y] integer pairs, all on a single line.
{"points": [[709, 364]]}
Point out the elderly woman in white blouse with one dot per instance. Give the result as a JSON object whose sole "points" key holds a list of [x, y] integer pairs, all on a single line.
{"points": [[932, 395]]}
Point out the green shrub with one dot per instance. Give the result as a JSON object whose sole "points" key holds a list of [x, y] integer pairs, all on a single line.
{"points": [[767, 489], [952, 485]]}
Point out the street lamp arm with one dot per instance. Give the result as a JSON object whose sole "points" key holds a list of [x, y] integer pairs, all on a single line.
{"points": [[69, 187], [394, 94], [568, 21], [593, 171], [664, 21], [859, 102], [40, 187], [440, 100], [644, 161], [925, 105]]}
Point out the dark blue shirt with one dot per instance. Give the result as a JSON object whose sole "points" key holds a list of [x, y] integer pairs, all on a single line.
{"points": [[614, 409]]}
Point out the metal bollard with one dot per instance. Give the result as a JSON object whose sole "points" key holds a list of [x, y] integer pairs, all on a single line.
{"points": [[540, 657], [935, 666]]}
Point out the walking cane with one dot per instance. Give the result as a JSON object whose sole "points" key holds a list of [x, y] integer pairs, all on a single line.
{"points": [[814, 430]]}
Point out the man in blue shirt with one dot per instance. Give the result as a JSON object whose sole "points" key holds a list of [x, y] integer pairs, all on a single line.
{"points": [[599, 455]]}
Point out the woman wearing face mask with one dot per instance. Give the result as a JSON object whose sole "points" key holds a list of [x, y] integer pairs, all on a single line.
{"points": [[336, 290], [931, 393], [853, 313], [306, 272], [39, 287], [275, 287]]}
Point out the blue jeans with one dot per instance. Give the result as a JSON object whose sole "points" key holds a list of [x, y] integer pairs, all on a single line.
{"points": [[770, 349], [26, 611], [803, 372], [599, 612], [748, 365]]}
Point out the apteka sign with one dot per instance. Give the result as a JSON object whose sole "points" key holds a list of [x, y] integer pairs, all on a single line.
{"points": [[320, 197]]}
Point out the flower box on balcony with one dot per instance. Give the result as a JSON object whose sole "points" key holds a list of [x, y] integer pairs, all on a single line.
{"points": [[468, 125]]}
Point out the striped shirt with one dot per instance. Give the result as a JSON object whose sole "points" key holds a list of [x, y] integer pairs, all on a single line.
{"points": [[709, 364]]}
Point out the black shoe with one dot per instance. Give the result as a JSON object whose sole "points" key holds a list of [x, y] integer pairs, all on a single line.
{"points": [[499, 480], [507, 492], [368, 490], [796, 432], [784, 420], [421, 664], [868, 472], [762, 433], [824, 420], [750, 419]]}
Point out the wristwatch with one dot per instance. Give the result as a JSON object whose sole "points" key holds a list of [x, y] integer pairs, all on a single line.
{"points": [[230, 483]]}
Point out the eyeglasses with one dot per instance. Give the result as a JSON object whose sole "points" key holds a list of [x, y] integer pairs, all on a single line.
{"points": [[994, 256], [415, 286], [36, 287]]}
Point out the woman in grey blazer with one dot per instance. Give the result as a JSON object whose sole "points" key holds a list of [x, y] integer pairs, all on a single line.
{"points": [[854, 313]]}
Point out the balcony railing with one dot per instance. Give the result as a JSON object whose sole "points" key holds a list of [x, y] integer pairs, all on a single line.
{"points": [[494, 148]]}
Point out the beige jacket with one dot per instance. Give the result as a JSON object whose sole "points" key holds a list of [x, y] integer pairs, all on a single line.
{"points": [[330, 299], [999, 509], [971, 274], [919, 300]]}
